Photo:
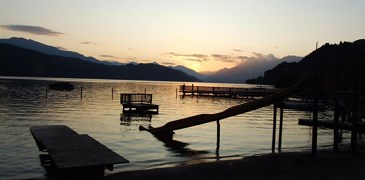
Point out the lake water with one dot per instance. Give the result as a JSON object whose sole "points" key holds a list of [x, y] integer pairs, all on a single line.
{"points": [[24, 104]]}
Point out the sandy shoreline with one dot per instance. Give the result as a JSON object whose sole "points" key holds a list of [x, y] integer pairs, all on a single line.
{"points": [[293, 165]]}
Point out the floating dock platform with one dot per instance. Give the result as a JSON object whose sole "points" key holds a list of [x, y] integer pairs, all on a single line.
{"points": [[138, 103]]}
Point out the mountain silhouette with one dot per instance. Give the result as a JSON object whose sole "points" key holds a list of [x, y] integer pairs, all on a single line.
{"points": [[247, 70], [342, 63], [189, 71], [18, 61], [46, 49]]}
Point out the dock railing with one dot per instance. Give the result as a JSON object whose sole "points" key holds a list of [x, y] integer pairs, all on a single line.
{"points": [[128, 98]]}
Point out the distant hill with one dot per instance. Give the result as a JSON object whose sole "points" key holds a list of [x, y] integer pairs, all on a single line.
{"points": [[189, 71], [37, 46], [338, 61], [18, 61], [247, 70]]}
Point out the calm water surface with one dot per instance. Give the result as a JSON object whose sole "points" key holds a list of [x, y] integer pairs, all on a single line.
{"points": [[24, 104]]}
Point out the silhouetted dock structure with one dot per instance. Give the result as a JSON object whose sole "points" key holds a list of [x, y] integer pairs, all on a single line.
{"points": [[74, 154], [319, 93], [225, 91], [138, 103]]}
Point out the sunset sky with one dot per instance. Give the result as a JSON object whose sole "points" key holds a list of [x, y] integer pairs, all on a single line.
{"points": [[205, 35]]}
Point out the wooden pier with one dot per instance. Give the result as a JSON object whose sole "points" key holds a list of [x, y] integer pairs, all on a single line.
{"points": [[225, 91], [138, 103], [74, 154]]}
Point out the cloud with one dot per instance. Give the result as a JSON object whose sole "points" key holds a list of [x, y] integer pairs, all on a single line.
{"points": [[231, 58], [91, 43], [237, 50], [108, 56], [195, 59], [258, 56], [238, 59], [190, 57], [131, 58], [168, 63], [224, 58], [31, 29]]}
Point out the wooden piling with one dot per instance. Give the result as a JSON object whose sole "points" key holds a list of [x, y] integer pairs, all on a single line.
{"points": [[317, 87], [46, 93], [81, 93], [355, 107], [274, 130], [335, 127], [183, 89], [280, 128], [112, 93], [218, 135]]}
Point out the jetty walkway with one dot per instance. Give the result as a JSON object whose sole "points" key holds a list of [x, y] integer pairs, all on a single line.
{"points": [[232, 92]]}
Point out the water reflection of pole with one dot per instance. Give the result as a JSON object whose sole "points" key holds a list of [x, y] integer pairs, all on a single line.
{"points": [[218, 138], [112, 93], [46, 93]]}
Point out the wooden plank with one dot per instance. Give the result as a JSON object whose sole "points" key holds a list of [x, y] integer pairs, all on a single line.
{"points": [[47, 133], [82, 151]]}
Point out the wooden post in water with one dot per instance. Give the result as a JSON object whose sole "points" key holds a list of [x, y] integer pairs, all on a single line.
{"points": [[316, 92], [112, 93], [218, 136], [46, 93], [176, 93], [183, 89], [81, 92], [315, 125], [192, 89], [355, 108], [280, 128], [145, 91], [273, 130], [335, 126]]}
